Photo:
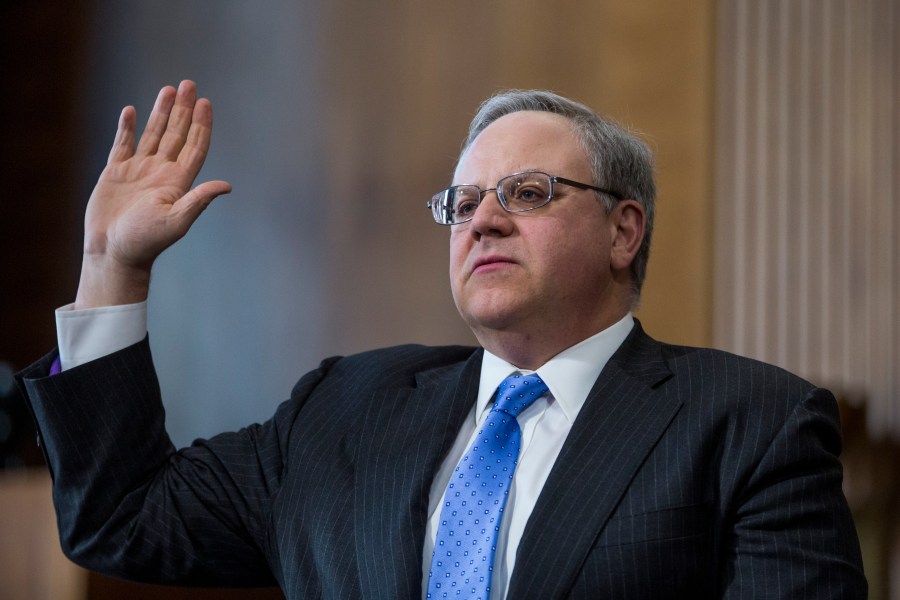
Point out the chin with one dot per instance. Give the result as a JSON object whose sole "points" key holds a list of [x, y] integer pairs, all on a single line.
{"points": [[491, 320], [496, 309]]}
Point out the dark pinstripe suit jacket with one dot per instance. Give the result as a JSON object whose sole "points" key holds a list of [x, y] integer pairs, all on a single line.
{"points": [[689, 473]]}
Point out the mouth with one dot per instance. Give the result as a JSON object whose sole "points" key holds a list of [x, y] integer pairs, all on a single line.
{"points": [[487, 264]]}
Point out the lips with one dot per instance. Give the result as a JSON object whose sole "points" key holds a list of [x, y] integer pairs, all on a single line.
{"points": [[490, 263]]}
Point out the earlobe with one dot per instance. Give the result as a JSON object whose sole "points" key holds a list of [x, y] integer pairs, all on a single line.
{"points": [[629, 224]]}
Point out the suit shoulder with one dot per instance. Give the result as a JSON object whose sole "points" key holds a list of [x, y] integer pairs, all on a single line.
{"points": [[702, 364], [400, 362], [384, 367], [738, 383], [728, 393], [723, 363], [416, 357]]}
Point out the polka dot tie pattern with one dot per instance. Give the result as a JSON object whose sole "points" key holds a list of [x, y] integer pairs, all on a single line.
{"points": [[466, 539]]}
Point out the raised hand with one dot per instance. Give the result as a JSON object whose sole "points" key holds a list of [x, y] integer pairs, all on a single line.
{"points": [[143, 202]]}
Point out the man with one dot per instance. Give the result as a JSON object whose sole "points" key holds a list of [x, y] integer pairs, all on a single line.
{"points": [[571, 456]]}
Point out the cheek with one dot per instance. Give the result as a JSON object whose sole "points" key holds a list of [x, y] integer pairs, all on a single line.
{"points": [[457, 257], [578, 258]]}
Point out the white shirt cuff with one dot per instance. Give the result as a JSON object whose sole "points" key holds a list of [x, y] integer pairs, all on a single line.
{"points": [[88, 334]]}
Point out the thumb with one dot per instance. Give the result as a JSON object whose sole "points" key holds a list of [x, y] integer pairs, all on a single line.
{"points": [[188, 208]]}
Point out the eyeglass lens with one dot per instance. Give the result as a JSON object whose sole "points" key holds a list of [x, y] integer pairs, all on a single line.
{"points": [[525, 191], [517, 193]]}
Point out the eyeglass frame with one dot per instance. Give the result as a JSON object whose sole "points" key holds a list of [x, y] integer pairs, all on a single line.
{"points": [[502, 199]]}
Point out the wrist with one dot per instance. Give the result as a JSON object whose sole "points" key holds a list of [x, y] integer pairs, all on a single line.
{"points": [[106, 282]]}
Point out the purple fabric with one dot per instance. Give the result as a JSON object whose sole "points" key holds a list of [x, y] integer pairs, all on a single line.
{"points": [[56, 367]]}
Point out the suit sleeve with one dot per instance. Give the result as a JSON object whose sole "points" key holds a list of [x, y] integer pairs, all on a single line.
{"points": [[129, 504], [793, 536]]}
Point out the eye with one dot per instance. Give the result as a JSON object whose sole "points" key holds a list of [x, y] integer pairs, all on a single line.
{"points": [[525, 191], [464, 201], [530, 195], [465, 208]]}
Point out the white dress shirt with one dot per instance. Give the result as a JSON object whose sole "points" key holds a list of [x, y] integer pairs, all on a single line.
{"points": [[85, 335]]}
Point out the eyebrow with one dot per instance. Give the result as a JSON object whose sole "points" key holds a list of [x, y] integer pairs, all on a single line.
{"points": [[513, 172]]}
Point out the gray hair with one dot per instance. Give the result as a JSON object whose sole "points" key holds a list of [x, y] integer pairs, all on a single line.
{"points": [[620, 162]]}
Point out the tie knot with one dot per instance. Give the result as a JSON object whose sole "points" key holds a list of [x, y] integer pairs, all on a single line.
{"points": [[516, 392]]}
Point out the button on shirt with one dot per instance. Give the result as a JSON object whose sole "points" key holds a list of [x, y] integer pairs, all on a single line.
{"points": [[85, 335]]}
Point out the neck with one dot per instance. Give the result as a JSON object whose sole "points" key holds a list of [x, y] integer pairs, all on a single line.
{"points": [[531, 348]]}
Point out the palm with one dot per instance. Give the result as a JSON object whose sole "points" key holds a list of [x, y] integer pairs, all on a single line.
{"points": [[143, 203], [130, 209]]}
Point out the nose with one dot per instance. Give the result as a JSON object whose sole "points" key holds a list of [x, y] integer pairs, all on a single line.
{"points": [[490, 217]]}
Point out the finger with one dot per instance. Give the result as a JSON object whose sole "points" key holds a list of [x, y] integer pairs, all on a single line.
{"points": [[189, 207], [123, 145], [179, 120], [196, 145], [156, 124]]}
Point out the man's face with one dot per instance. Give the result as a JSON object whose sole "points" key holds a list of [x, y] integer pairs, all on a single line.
{"points": [[542, 273]]}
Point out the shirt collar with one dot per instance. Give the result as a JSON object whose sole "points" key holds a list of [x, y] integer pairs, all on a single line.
{"points": [[569, 375]]}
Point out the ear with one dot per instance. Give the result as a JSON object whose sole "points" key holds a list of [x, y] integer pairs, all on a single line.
{"points": [[628, 221]]}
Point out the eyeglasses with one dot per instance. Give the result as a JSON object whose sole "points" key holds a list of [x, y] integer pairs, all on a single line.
{"points": [[519, 192]]}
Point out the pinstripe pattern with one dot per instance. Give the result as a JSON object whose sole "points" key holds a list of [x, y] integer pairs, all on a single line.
{"points": [[688, 473]]}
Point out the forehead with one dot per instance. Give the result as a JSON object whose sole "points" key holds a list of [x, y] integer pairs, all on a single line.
{"points": [[520, 141]]}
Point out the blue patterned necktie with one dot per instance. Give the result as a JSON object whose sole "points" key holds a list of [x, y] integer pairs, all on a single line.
{"points": [[466, 539]]}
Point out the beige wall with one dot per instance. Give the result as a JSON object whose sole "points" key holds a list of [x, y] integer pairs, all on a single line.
{"points": [[404, 80], [335, 121]]}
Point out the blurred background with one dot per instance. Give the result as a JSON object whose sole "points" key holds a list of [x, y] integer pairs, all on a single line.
{"points": [[775, 125]]}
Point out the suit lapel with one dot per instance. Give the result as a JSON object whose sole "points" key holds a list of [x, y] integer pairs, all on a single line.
{"points": [[406, 433], [622, 419]]}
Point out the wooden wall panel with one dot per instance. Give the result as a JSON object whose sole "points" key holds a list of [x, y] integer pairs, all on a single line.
{"points": [[32, 565], [807, 190]]}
